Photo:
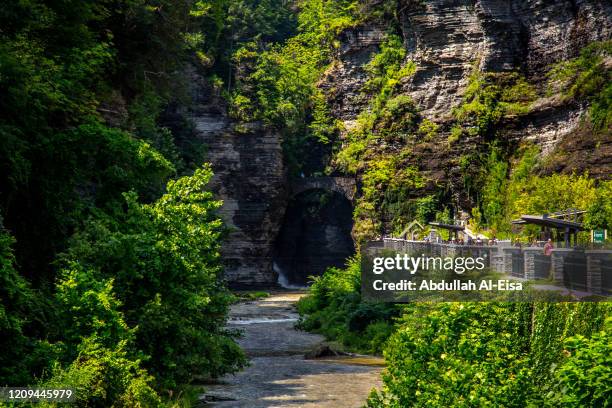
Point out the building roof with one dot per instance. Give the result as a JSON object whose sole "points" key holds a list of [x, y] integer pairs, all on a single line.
{"points": [[414, 224], [545, 221], [451, 227]]}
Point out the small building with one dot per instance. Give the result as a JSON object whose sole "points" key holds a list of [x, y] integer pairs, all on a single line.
{"points": [[411, 230]]}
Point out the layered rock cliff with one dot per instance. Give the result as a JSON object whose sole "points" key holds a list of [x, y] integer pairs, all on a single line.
{"points": [[447, 40], [250, 178]]}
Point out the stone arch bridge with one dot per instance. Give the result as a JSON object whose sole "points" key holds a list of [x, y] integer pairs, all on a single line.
{"points": [[345, 186]]}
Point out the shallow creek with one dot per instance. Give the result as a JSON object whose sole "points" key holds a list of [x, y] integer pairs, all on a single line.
{"points": [[279, 376]]}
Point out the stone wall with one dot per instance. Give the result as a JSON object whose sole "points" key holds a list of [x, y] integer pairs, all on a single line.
{"points": [[565, 265]]}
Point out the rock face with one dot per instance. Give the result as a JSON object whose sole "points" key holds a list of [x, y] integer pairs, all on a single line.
{"points": [[343, 82], [251, 180], [448, 40]]}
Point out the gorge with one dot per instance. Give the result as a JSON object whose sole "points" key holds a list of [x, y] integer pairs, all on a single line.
{"points": [[159, 157]]}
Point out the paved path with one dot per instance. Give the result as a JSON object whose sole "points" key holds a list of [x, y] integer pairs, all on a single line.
{"points": [[279, 376]]}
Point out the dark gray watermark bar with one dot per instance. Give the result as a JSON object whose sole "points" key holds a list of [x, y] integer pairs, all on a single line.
{"points": [[395, 270]]}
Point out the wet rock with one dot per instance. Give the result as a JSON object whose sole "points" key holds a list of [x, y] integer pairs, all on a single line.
{"points": [[323, 350]]}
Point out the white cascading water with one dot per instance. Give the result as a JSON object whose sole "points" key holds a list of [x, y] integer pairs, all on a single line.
{"points": [[282, 279]]}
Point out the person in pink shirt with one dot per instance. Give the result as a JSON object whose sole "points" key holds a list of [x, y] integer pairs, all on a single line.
{"points": [[548, 247]]}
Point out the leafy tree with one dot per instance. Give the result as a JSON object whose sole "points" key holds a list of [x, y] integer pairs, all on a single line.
{"points": [[86, 90], [599, 214], [164, 259]]}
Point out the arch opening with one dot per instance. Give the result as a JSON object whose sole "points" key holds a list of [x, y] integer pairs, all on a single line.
{"points": [[315, 235]]}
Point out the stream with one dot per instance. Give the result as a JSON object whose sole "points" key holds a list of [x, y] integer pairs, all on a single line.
{"points": [[279, 375]]}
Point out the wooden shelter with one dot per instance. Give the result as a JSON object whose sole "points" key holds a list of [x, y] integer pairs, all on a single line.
{"points": [[556, 222]]}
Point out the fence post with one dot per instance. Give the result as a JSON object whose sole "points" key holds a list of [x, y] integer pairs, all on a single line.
{"points": [[595, 261], [557, 260], [529, 255]]}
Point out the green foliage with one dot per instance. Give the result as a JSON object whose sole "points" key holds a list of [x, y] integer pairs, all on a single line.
{"points": [[494, 190], [588, 77], [426, 208], [88, 308], [98, 359], [19, 307], [555, 193], [278, 85], [457, 354], [552, 324], [334, 308], [386, 69], [386, 108], [322, 126], [584, 378], [484, 354], [65, 69], [510, 187], [386, 195], [104, 377], [390, 115], [455, 134], [91, 107], [490, 97], [599, 213], [165, 263], [428, 129]]}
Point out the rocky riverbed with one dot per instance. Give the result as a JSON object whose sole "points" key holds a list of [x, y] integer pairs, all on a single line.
{"points": [[279, 375]]}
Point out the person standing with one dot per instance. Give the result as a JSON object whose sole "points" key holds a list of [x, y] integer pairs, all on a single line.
{"points": [[548, 247]]}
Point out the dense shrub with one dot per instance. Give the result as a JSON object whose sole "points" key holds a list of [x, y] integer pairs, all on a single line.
{"points": [[584, 378], [104, 377], [334, 309], [470, 354], [19, 307], [139, 303], [164, 260], [457, 355]]}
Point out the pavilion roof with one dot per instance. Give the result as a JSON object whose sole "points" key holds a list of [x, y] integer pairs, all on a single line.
{"points": [[451, 227], [546, 221]]}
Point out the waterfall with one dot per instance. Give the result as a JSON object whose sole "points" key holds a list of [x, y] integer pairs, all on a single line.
{"points": [[282, 279]]}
